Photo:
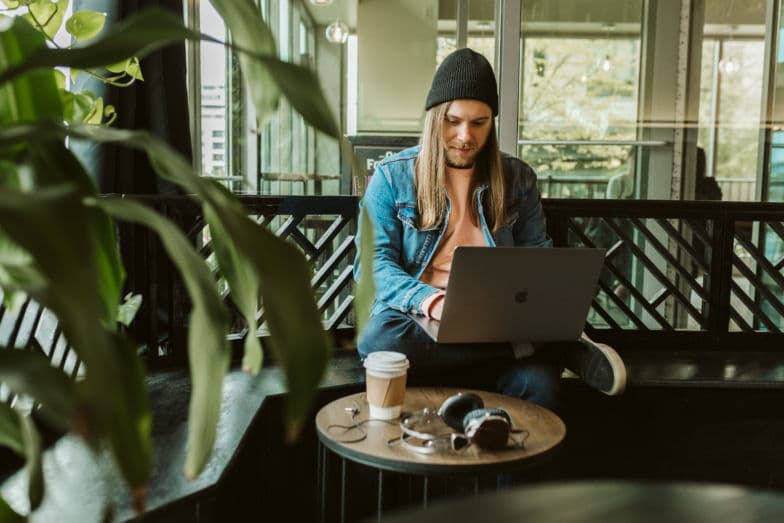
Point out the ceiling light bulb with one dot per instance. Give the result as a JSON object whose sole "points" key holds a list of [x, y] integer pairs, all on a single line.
{"points": [[728, 66], [606, 64], [321, 3], [337, 32]]}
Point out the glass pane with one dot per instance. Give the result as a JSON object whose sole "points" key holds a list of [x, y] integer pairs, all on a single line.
{"points": [[773, 234], [731, 76], [394, 103], [583, 171], [214, 130], [776, 181], [580, 83]]}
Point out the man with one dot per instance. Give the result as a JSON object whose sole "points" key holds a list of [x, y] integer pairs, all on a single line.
{"points": [[456, 188]]}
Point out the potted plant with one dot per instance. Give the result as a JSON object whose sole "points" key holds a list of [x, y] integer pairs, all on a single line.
{"points": [[58, 244]]}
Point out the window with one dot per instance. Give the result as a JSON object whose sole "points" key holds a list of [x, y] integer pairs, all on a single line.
{"points": [[211, 96], [579, 97], [287, 145], [731, 97]]}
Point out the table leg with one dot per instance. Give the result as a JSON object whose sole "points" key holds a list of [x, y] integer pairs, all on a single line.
{"points": [[322, 479], [342, 490], [476, 486], [424, 493], [380, 495]]}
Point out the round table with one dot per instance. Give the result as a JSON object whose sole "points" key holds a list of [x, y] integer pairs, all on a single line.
{"points": [[376, 443]]}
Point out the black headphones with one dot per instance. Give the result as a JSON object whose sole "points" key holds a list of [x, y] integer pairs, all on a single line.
{"points": [[488, 428]]}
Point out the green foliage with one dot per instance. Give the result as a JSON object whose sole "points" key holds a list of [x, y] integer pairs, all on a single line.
{"points": [[29, 373], [366, 292], [248, 31], [18, 433], [84, 25], [7, 514], [207, 344], [58, 243], [10, 431], [47, 17]]}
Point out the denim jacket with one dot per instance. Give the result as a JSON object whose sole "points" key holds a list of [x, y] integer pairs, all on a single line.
{"points": [[403, 251]]}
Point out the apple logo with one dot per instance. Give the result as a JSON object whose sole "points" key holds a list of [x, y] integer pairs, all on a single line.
{"points": [[521, 296]]}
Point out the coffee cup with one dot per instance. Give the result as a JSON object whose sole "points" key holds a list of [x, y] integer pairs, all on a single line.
{"points": [[385, 373]]}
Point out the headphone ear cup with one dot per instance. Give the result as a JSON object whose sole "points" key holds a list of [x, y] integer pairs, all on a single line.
{"points": [[481, 413], [455, 408], [488, 428]]}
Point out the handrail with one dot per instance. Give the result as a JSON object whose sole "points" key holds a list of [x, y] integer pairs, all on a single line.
{"points": [[643, 143]]}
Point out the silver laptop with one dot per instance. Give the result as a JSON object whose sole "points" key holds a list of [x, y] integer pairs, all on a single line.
{"points": [[517, 294]]}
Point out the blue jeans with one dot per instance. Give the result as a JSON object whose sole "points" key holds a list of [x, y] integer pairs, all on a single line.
{"points": [[484, 366]]}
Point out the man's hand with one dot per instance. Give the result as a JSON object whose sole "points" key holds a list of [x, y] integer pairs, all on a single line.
{"points": [[437, 308]]}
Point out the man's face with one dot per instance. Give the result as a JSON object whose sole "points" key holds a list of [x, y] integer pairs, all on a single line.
{"points": [[466, 127]]}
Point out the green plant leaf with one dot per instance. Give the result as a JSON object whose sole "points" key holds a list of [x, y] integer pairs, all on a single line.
{"points": [[31, 96], [134, 69], [250, 32], [59, 78], [18, 433], [47, 16], [95, 116], [53, 225], [302, 89], [110, 114], [84, 25], [8, 515], [119, 67], [244, 284], [126, 418], [53, 164], [32, 374], [10, 431], [209, 326], [34, 464], [297, 338], [129, 308], [365, 288], [137, 36], [76, 106]]}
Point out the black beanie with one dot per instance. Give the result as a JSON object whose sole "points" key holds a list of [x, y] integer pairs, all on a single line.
{"points": [[464, 74]]}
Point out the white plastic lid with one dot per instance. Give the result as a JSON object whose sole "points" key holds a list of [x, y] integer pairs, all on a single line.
{"points": [[386, 361]]}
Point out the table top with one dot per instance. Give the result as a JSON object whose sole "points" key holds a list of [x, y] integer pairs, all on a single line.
{"points": [[545, 432], [609, 502]]}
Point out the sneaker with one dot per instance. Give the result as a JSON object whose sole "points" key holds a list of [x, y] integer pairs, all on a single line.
{"points": [[598, 365]]}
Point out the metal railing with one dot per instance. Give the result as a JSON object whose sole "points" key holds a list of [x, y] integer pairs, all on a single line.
{"points": [[677, 274], [681, 274]]}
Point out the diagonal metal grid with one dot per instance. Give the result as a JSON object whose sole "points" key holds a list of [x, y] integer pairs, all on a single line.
{"points": [[327, 243]]}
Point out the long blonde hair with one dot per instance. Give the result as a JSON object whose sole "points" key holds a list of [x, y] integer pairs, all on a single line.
{"points": [[430, 175]]}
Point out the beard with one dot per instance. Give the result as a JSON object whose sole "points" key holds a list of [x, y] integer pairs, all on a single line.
{"points": [[455, 160]]}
